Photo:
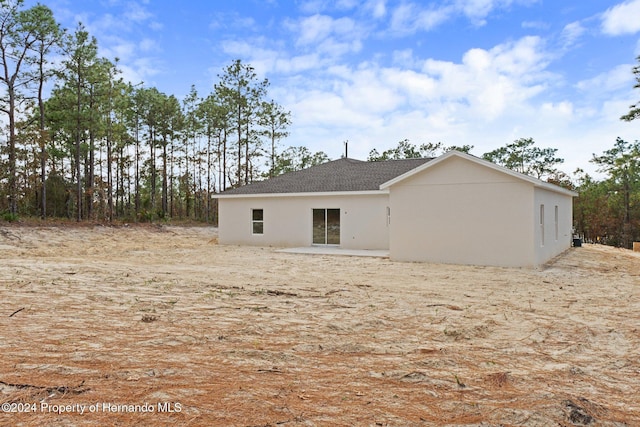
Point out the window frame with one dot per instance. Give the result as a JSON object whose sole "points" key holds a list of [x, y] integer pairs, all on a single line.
{"points": [[557, 219], [542, 224], [329, 238], [257, 222]]}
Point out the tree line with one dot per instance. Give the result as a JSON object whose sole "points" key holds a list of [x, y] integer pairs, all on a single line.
{"points": [[97, 148]]}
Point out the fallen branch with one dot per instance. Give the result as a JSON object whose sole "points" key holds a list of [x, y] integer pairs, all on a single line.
{"points": [[449, 306], [272, 370], [278, 293], [335, 291], [16, 312], [60, 389], [9, 235]]}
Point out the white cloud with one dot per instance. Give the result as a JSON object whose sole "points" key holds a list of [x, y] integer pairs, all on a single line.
{"points": [[489, 96], [140, 70], [328, 109], [480, 9], [346, 4], [368, 92], [491, 82], [148, 45], [330, 38], [619, 77], [239, 47], [404, 58], [135, 12], [269, 60], [378, 8], [536, 25], [117, 21], [571, 33], [297, 64], [115, 31], [97, 27], [562, 110], [410, 17], [312, 6], [624, 18], [156, 26], [314, 29], [124, 50], [318, 28], [521, 58], [232, 20], [416, 88], [476, 10]]}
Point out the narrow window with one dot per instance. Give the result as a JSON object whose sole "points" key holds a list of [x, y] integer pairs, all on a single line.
{"points": [[257, 221], [556, 222], [388, 215], [542, 225]]}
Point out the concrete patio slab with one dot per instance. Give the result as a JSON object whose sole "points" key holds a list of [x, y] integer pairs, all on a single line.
{"points": [[329, 250]]}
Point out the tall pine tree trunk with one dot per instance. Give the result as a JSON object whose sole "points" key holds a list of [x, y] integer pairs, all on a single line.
{"points": [[165, 207], [77, 155]]}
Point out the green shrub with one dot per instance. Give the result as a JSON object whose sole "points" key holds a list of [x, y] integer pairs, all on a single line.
{"points": [[9, 217]]}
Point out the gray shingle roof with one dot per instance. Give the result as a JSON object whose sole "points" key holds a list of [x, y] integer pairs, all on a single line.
{"points": [[338, 175]]}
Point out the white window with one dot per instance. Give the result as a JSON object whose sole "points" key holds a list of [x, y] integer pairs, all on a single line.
{"points": [[257, 221], [556, 222], [542, 225]]}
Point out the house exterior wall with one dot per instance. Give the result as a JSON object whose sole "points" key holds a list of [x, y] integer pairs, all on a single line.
{"points": [[552, 236], [461, 212], [288, 220]]}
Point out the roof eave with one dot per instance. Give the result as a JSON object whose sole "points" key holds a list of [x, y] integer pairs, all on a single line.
{"points": [[556, 188], [305, 194]]}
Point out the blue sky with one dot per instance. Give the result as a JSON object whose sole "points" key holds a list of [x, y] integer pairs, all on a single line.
{"points": [[374, 72]]}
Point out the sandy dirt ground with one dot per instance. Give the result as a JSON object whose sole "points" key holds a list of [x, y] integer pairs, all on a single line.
{"points": [[160, 325]]}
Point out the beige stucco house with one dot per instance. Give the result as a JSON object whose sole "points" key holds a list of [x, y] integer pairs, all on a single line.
{"points": [[455, 208]]}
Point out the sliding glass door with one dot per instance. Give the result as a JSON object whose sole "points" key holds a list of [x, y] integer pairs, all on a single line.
{"points": [[326, 226]]}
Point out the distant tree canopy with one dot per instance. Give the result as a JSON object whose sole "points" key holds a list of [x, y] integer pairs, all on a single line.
{"points": [[296, 158], [522, 156], [27, 37], [102, 148], [634, 110], [407, 150], [608, 211]]}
